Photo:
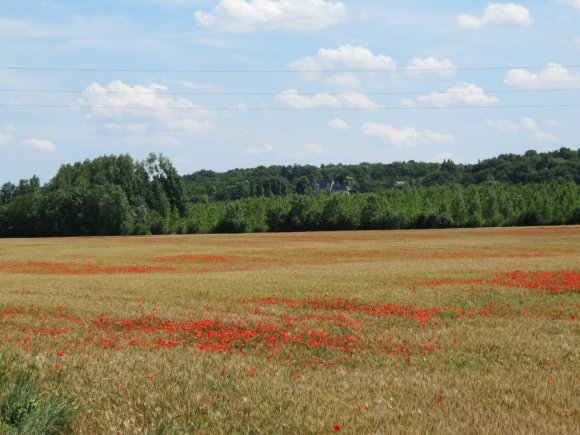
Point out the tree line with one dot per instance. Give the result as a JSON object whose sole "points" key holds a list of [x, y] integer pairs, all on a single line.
{"points": [[107, 195], [207, 186], [487, 205], [113, 195]]}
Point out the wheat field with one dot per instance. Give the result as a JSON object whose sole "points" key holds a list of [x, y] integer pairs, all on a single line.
{"points": [[438, 331]]}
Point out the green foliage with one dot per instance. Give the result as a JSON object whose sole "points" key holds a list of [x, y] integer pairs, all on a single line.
{"points": [[110, 195], [23, 410], [562, 165], [415, 207], [20, 402], [114, 195]]}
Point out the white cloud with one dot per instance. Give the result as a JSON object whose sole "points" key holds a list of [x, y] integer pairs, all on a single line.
{"points": [[112, 100], [259, 151], [345, 57], [431, 66], [5, 137], [316, 150], [343, 80], [553, 123], [6, 133], [576, 42], [190, 125], [41, 145], [131, 127], [199, 87], [338, 124], [154, 141], [134, 109], [573, 3], [469, 22], [497, 14], [441, 157], [355, 100], [244, 16], [503, 126], [464, 93], [540, 136], [405, 136], [553, 76]]}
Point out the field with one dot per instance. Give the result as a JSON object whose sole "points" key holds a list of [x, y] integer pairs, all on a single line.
{"points": [[462, 331]]}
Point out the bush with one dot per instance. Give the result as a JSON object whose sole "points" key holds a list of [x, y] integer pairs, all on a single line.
{"points": [[233, 220]]}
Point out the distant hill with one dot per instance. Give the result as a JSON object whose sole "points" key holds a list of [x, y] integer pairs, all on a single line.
{"points": [[562, 165]]}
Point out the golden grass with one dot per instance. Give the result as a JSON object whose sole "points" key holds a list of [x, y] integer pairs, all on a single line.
{"points": [[376, 332]]}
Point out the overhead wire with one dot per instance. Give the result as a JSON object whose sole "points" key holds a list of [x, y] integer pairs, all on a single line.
{"points": [[286, 70], [243, 109], [216, 93]]}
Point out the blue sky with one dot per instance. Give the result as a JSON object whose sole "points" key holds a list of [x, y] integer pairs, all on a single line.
{"points": [[260, 82]]}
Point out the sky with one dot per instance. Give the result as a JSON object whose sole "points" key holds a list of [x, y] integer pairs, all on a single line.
{"points": [[242, 83]]}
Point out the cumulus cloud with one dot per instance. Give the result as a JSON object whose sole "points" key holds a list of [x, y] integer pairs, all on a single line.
{"points": [[245, 16], [574, 3], [6, 133], [338, 124], [5, 137], [405, 136], [112, 100], [42, 145], [441, 157], [190, 125], [509, 14], [553, 76], [503, 126], [464, 93], [154, 141], [199, 87], [538, 135], [119, 106], [431, 66], [343, 80], [345, 57], [259, 151], [355, 100], [316, 150]]}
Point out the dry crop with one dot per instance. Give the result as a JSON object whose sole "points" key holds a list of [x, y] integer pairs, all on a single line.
{"points": [[464, 331]]}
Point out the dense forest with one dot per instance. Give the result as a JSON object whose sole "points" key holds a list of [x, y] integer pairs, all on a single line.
{"points": [[107, 195], [114, 195], [532, 167]]}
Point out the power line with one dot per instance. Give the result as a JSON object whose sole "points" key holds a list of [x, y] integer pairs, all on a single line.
{"points": [[242, 109], [517, 91], [276, 71]]}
